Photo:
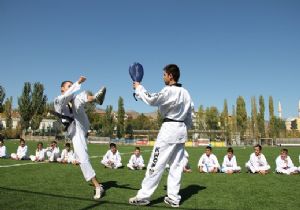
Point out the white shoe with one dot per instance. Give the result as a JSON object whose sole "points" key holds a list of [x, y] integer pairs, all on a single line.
{"points": [[99, 191], [100, 95], [138, 202], [171, 202]]}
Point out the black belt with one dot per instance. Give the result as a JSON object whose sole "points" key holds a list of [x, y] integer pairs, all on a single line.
{"points": [[171, 120]]}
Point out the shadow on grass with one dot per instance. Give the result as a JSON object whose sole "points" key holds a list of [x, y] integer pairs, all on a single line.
{"points": [[109, 184], [185, 193]]}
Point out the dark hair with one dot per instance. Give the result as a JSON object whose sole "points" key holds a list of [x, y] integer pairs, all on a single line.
{"points": [[67, 145], [259, 146], [209, 147], [22, 140], [230, 150], [137, 148], [174, 70], [53, 142], [284, 150], [112, 145], [41, 143], [64, 82]]}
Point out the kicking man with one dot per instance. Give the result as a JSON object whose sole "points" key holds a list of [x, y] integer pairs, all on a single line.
{"points": [[70, 108], [175, 105]]}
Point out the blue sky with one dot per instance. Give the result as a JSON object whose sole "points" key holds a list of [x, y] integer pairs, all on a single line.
{"points": [[224, 48]]}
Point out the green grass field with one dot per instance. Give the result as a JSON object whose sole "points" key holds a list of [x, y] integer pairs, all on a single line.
{"points": [[57, 186]]}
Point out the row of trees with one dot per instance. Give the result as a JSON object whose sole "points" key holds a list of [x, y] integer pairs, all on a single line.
{"points": [[33, 107], [249, 127]]}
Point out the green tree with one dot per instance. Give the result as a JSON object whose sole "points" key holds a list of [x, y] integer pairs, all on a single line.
{"points": [[272, 120], [121, 118], [8, 113], [108, 126], [142, 122], [225, 121], [38, 105], [261, 117], [212, 118], [254, 123], [24, 102], [241, 116], [200, 118], [2, 97], [129, 128]]}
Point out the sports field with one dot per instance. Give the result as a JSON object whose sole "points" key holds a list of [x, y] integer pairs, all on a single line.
{"points": [[57, 186]]}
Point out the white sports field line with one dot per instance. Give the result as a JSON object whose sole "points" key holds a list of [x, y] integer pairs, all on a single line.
{"points": [[35, 163]]}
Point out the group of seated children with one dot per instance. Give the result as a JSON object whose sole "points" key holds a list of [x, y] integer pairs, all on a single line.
{"points": [[52, 153], [208, 162], [112, 159]]}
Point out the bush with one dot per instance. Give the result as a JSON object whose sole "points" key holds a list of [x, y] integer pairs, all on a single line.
{"points": [[12, 133]]}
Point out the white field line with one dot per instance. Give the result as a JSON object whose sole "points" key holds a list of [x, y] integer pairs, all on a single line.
{"points": [[35, 163]]}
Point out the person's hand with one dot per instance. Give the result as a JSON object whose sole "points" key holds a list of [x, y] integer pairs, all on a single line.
{"points": [[81, 79], [135, 85]]}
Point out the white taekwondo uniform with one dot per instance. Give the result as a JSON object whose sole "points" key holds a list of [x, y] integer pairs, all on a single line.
{"points": [[67, 156], [257, 163], [39, 155], [230, 164], [136, 162], [3, 151], [21, 153], [115, 158], [285, 166], [78, 129], [208, 162], [53, 153], [176, 106]]}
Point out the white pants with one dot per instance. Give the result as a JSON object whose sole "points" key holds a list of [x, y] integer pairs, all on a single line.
{"points": [[114, 166], [234, 169], [208, 169], [68, 160], [15, 156], [287, 171], [162, 154], [253, 169], [52, 157], [78, 133], [135, 167]]}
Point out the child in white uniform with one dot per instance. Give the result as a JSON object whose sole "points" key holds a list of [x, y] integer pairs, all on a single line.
{"points": [[208, 162], [67, 155], [284, 164], [229, 165], [53, 152], [112, 158], [136, 161], [258, 163], [21, 151], [40, 153], [2, 148]]}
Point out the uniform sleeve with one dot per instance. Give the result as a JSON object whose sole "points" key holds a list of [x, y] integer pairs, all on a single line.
{"points": [[224, 162], [234, 162], [264, 160], [106, 157], [290, 162], [278, 163], [65, 98], [131, 160], [119, 159], [200, 162], [152, 99], [189, 118], [142, 159], [216, 162]]}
